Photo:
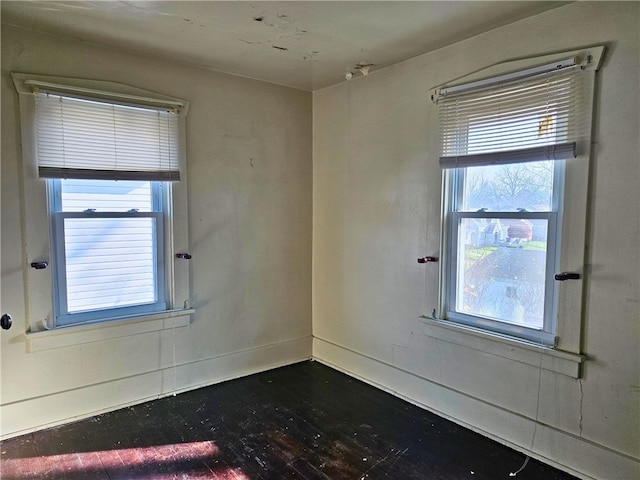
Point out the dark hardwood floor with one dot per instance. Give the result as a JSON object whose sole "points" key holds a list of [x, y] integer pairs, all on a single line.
{"points": [[303, 421]]}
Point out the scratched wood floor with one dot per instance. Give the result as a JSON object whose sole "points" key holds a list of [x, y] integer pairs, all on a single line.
{"points": [[303, 421]]}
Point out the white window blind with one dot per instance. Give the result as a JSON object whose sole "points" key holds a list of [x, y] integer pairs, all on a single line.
{"points": [[96, 139], [528, 116]]}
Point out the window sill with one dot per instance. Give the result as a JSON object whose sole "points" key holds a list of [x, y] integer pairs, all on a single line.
{"points": [[99, 331], [559, 361]]}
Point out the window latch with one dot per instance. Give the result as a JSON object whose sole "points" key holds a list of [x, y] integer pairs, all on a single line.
{"points": [[133, 210], [183, 256], [39, 265], [90, 210], [483, 209], [427, 259], [561, 277]]}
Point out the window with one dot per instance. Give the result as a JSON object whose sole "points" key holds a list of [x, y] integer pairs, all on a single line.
{"points": [[110, 164], [506, 144], [108, 248], [504, 226]]}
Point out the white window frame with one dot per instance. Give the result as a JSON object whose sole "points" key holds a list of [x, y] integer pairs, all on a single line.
{"points": [[570, 252], [160, 213], [545, 336], [38, 246]]}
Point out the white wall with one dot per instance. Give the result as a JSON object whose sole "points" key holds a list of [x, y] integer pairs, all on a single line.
{"points": [[249, 174], [376, 207]]}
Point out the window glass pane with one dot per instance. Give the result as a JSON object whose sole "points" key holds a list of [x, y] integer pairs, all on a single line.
{"points": [[110, 262], [106, 195], [508, 188], [501, 269]]}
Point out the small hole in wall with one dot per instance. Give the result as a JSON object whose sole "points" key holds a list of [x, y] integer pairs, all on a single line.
{"points": [[259, 19]]}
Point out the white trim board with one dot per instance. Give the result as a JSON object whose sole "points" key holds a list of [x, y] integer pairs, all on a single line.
{"points": [[95, 332]]}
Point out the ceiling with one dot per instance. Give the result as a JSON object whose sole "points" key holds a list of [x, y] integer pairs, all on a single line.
{"points": [[301, 44]]}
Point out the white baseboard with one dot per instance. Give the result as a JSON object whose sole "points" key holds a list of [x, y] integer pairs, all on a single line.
{"points": [[565, 451], [47, 411]]}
